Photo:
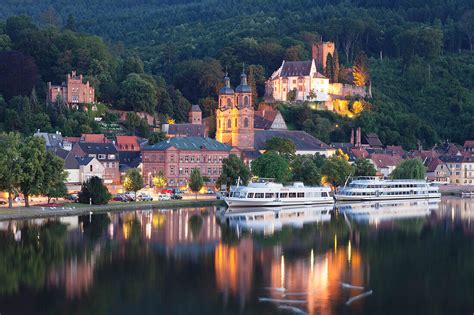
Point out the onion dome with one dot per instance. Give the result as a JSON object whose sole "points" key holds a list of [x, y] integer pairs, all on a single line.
{"points": [[243, 87], [226, 90]]}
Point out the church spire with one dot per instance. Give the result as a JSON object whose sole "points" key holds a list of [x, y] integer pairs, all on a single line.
{"points": [[243, 76]]}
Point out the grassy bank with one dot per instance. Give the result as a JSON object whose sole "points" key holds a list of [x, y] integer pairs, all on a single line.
{"points": [[80, 209]]}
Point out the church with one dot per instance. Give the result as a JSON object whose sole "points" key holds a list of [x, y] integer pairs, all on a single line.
{"points": [[239, 125]]}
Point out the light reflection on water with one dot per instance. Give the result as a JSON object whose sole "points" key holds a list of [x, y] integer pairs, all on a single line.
{"points": [[204, 261]]}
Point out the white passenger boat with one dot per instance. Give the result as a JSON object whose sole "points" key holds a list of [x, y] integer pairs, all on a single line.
{"points": [[373, 188], [267, 193], [268, 220], [378, 211]]}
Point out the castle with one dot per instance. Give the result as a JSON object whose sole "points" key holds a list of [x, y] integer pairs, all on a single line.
{"points": [[72, 92]]}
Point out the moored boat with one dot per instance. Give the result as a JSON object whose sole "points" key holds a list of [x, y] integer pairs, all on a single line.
{"points": [[267, 194], [373, 188]]}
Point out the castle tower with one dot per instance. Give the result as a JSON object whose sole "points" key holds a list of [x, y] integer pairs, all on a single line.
{"points": [[224, 113], [195, 115], [320, 53], [243, 129]]}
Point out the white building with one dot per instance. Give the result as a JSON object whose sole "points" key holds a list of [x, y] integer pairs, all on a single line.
{"points": [[80, 169], [301, 76]]}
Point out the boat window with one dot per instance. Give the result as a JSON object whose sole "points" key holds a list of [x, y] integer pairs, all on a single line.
{"points": [[259, 217], [324, 194], [301, 195], [231, 194], [283, 195], [258, 195], [269, 195], [292, 195], [250, 195]]}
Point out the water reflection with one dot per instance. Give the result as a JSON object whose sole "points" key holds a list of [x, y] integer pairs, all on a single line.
{"points": [[416, 256]]}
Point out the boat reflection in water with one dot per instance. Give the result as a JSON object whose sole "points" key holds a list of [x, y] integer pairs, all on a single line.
{"points": [[267, 220], [374, 212]]}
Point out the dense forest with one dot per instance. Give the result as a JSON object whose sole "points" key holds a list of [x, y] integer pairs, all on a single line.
{"points": [[160, 55]]}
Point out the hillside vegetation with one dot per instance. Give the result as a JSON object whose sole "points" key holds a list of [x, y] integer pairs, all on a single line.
{"points": [[423, 86]]}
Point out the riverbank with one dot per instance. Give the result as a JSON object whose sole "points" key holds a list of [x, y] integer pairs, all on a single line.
{"points": [[73, 209]]}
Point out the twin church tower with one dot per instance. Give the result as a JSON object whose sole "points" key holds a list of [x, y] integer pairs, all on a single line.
{"points": [[235, 115]]}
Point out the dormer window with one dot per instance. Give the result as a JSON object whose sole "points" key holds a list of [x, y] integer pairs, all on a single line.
{"points": [[102, 156], [111, 156]]}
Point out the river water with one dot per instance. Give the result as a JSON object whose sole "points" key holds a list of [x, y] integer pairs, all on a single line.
{"points": [[414, 257]]}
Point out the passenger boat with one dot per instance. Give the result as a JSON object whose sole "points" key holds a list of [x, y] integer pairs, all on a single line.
{"points": [[267, 193], [375, 212], [374, 188], [267, 220]]}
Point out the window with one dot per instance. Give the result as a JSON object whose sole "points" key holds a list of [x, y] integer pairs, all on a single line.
{"points": [[250, 195], [111, 156], [246, 122], [172, 158], [102, 156], [235, 122], [229, 102], [269, 195], [186, 171], [186, 158], [292, 195], [181, 171], [258, 195], [229, 124], [246, 100], [192, 158], [90, 168], [209, 171], [300, 195], [172, 170], [294, 81], [283, 195]]}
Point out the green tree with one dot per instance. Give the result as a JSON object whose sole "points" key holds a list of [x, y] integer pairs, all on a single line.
{"points": [[156, 137], [195, 182], [336, 169], [33, 153], [54, 176], [304, 169], [133, 181], [272, 165], [10, 164], [360, 70], [409, 169], [284, 147], [291, 95], [94, 190], [363, 167], [139, 94], [233, 168], [58, 190]]}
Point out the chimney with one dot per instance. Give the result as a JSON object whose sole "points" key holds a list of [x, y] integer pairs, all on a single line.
{"points": [[352, 137], [359, 137]]}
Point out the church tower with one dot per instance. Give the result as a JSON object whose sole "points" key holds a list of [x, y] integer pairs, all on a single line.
{"points": [[195, 115], [224, 113], [243, 131]]}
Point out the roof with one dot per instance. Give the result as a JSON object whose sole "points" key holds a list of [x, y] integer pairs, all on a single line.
{"points": [[302, 140], [451, 158], [98, 148], [385, 160], [296, 68], [319, 75], [195, 108], [72, 139], [251, 154], [131, 141], [51, 139], [398, 149], [190, 143], [469, 143], [264, 119], [432, 163], [186, 129], [129, 157], [62, 153], [373, 140], [93, 138], [360, 153], [84, 160], [70, 162]]}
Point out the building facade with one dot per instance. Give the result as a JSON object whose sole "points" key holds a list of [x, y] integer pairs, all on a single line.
{"points": [[235, 115], [320, 53], [73, 91], [176, 157], [301, 78], [106, 154]]}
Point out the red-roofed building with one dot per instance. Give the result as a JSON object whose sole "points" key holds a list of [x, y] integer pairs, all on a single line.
{"points": [[127, 143], [469, 146], [437, 170], [360, 153], [94, 138], [385, 163]]}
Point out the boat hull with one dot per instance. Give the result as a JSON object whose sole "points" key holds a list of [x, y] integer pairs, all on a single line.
{"points": [[345, 198], [243, 202]]}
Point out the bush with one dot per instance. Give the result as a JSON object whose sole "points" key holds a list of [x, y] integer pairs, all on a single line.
{"points": [[94, 190]]}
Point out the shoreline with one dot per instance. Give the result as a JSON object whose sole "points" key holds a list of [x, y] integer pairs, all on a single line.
{"points": [[35, 212]]}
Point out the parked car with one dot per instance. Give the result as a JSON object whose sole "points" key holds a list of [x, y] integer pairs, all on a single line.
{"points": [[176, 191], [176, 197], [210, 191], [130, 195], [166, 191], [164, 197], [121, 198], [144, 197], [72, 197], [3, 202]]}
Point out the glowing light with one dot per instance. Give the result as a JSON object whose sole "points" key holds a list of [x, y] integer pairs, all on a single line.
{"points": [[335, 243], [311, 261], [171, 121], [148, 230], [349, 251], [282, 271]]}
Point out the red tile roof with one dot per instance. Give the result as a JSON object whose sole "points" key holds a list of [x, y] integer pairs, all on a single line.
{"points": [[127, 143], [94, 138], [72, 139], [385, 160], [360, 153], [469, 143]]}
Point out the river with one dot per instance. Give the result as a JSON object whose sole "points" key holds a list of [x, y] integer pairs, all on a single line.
{"points": [[413, 257]]}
